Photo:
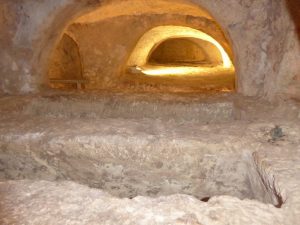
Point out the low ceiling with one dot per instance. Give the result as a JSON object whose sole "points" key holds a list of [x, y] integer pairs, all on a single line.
{"points": [[138, 7]]}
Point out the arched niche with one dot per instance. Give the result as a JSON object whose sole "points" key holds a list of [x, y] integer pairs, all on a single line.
{"points": [[65, 66]]}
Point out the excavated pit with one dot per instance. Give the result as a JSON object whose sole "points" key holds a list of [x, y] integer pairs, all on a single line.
{"points": [[134, 145]]}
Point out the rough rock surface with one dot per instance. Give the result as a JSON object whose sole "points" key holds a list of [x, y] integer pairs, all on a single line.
{"points": [[132, 144], [67, 203]]}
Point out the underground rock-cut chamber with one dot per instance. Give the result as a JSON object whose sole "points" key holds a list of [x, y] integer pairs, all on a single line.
{"points": [[134, 111], [141, 144]]}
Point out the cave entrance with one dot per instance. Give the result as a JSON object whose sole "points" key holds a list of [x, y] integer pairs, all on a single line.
{"points": [[175, 48]]}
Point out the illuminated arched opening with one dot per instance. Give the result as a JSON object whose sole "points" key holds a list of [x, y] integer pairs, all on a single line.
{"points": [[214, 74], [158, 34]]}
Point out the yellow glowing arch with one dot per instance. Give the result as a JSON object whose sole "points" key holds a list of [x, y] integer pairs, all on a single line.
{"points": [[156, 35]]}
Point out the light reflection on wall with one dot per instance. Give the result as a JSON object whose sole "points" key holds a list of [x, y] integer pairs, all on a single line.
{"points": [[155, 36]]}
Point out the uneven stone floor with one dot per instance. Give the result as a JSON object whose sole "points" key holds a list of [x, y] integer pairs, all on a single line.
{"points": [[173, 150]]}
